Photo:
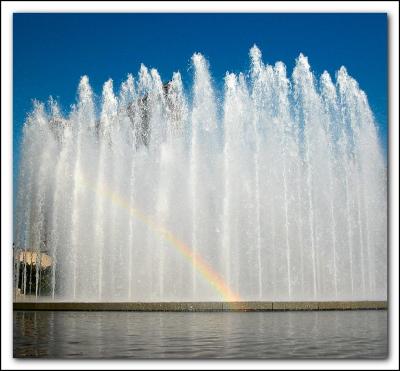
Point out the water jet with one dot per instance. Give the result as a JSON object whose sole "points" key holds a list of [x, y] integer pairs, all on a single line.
{"points": [[276, 194]]}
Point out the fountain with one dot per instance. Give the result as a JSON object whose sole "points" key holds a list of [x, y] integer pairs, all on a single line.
{"points": [[277, 193]]}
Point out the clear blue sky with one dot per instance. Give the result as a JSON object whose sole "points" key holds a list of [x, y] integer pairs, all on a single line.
{"points": [[52, 51]]}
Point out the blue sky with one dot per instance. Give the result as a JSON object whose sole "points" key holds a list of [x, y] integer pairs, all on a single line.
{"points": [[52, 51]]}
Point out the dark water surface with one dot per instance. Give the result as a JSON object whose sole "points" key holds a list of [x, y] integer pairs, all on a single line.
{"points": [[336, 334]]}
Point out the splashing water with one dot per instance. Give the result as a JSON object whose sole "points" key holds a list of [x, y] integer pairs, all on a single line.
{"points": [[278, 193]]}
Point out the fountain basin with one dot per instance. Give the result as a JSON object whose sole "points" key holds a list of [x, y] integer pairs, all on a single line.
{"points": [[243, 306]]}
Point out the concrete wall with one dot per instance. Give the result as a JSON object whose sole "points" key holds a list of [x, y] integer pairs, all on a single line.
{"points": [[202, 306]]}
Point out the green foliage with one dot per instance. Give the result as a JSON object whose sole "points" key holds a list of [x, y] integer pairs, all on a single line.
{"points": [[30, 276]]}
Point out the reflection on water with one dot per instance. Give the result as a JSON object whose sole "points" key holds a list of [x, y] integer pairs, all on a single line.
{"points": [[348, 334]]}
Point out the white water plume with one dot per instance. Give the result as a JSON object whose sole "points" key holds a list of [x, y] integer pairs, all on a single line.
{"points": [[278, 187]]}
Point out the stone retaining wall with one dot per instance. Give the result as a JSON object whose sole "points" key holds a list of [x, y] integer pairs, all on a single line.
{"points": [[253, 306]]}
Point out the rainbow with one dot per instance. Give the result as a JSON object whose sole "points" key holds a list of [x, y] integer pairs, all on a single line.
{"points": [[197, 261]]}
